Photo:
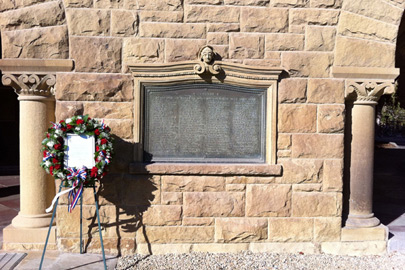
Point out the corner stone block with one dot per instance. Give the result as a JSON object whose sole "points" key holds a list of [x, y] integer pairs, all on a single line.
{"points": [[291, 229], [327, 229], [277, 198], [326, 91], [246, 46], [299, 171], [88, 22], [143, 50], [331, 118], [363, 52], [48, 43], [292, 91], [316, 204], [295, 118], [317, 145], [192, 183], [94, 87], [214, 204], [333, 175], [96, 54], [175, 234], [240, 229], [307, 64], [274, 20]]}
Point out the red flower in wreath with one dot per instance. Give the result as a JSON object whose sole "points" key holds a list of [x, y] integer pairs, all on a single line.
{"points": [[97, 132], [57, 146], [61, 122], [57, 167], [69, 126], [94, 172], [79, 121], [51, 170], [45, 154], [103, 141], [54, 160], [97, 148]]}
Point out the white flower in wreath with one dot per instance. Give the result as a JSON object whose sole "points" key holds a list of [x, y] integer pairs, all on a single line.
{"points": [[61, 175], [77, 128], [58, 131], [68, 120], [50, 144], [48, 163]]}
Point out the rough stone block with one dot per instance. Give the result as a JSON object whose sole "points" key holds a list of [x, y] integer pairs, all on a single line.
{"points": [[240, 230], [109, 110], [326, 3], [78, 3], [212, 14], [306, 247], [249, 180], [284, 42], [307, 187], [88, 22], [292, 91], [46, 14], [283, 141], [363, 52], [66, 109], [246, 46], [143, 50], [95, 54], [189, 49], [7, 5], [331, 118], [277, 198], [122, 128], [314, 16], [298, 171], [94, 87], [198, 221], [109, 4], [121, 161], [296, 118], [263, 62], [320, 38], [192, 183], [172, 30], [214, 204], [326, 91], [284, 153], [291, 229], [380, 10], [379, 233], [333, 175], [48, 43], [355, 248], [167, 5], [172, 198], [218, 38], [362, 27], [139, 190], [160, 16], [307, 64], [317, 145], [205, 2], [124, 23], [272, 20], [316, 204], [162, 215], [289, 3], [223, 27], [235, 187], [176, 234], [327, 229]]}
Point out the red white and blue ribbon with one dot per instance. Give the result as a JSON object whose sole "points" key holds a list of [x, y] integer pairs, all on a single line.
{"points": [[75, 191], [48, 156]]}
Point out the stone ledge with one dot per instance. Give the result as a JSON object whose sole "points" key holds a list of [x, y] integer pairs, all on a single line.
{"points": [[354, 248], [28, 238], [365, 73], [205, 169], [37, 66], [379, 233]]}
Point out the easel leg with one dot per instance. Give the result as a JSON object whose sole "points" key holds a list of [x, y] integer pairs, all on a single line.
{"points": [[99, 227], [81, 224], [49, 230]]}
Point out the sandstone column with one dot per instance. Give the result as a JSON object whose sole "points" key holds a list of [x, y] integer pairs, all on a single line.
{"points": [[33, 81], [363, 95]]}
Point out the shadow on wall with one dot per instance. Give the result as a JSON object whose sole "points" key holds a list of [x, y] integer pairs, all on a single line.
{"points": [[400, 61], [130, 195]]}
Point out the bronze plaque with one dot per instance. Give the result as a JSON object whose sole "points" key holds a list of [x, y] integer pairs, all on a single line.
{"points": [[204, 123]]}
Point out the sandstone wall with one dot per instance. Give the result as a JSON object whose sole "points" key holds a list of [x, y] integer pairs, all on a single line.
{"points": [[294, 212]]}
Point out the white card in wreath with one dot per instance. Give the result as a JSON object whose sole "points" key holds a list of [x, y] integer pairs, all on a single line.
{"points": [[80, 151]]}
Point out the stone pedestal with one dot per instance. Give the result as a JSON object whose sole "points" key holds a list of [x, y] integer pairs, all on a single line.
{"points": [[33, 81]]}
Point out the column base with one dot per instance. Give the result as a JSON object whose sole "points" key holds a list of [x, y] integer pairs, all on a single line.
{"points": [[21, 239], [32, 221], [362, 221]]}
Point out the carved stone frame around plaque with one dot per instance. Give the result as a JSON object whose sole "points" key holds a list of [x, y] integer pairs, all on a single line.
{"points": [[206, 70]]}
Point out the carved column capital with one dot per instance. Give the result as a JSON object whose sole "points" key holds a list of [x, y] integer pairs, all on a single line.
{"points": [[368, 91], [31, 84]]}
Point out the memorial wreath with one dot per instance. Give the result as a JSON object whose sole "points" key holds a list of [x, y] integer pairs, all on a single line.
{"points": [[54, 148]]}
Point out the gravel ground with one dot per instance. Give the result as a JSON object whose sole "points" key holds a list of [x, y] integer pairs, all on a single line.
{"points": [[260, 261]]}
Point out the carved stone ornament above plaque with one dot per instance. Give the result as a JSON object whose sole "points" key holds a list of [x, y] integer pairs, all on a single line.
{"points": [[208, 105]]}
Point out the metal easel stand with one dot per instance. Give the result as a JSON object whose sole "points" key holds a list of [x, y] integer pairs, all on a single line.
{"points": [[81, 230]]}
